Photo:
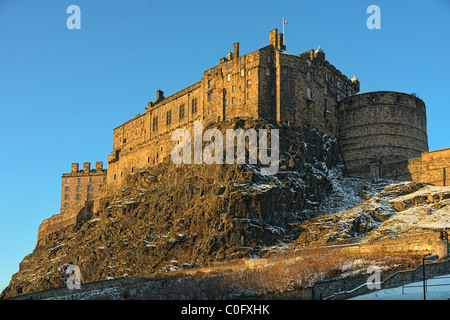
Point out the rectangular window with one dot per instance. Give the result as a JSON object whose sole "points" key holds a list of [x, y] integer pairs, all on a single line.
{"points": [[65, 205], [209, 83], [79, 180], [248, 95], [89, 187], [194, 105], [66, 197], [155, 123], [67, 180], [168, 117], [267, 72], [249, 83], [284, 85], [78, 197], [308, 76], [66, 189], [228, 77], [242, 72], [233, 88], [210, 96], [182, 111], [233, 100], [89, 196], [104, 179], [308, 93], [78, 188]]}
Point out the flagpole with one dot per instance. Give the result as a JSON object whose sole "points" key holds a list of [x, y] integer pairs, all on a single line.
{"points": [[283, 27]]}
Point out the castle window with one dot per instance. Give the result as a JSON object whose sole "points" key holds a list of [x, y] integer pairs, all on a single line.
{"points": [[210, 96], [233, 100], [308, 93], [168, 117], [233, 88], [325, 89], [284, 85], [66, 189], [104, 179], [268, 59], [248, 95], [228, 65], [67, 180], [194, 105], [249, 83], [155, 123], [121, 139], [308, 76], [285, 71], [225, 102], [65, 205], [66, 197], [115, 176], [78, 197], [228, 77], [137, 131], [209, 83], [242, 60], [78, 188], [89, 187], [79, 180], [338, 97], [338, 84], [90, 179], [89, 196], [182, 111], [267, 72], [242, 72], [248, 72]]}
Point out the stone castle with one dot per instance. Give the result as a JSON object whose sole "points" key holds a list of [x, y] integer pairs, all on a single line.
{"points": [[381, 134]]}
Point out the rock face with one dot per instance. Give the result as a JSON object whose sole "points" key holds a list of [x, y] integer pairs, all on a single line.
{"points": [[181, 216], [386, 209]]}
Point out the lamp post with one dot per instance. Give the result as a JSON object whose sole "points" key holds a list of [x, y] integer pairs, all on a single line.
{"points": [[429, 258]]}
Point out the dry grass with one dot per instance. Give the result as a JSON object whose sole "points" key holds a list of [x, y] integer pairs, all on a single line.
{"points": [[301, 268]]}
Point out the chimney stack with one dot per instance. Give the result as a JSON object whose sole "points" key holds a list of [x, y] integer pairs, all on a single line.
{"points": [[99, 166], [236, 50], [74, 167], [274, 38], [159, 95]]}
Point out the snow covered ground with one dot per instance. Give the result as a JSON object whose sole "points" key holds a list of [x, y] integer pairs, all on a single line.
{"points": [[438, 288]]}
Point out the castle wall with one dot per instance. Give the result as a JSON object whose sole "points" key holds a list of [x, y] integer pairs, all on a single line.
{"points": [[431, 167], [381, 127]]}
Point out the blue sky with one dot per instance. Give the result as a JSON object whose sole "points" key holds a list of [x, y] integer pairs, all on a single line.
{"points": [[63, 91]]}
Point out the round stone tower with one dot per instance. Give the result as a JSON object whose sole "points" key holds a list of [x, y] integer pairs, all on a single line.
{"points": [[380, 127]]}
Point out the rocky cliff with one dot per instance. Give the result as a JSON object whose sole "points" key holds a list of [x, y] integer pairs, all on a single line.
{"points": [[182, 216]]}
